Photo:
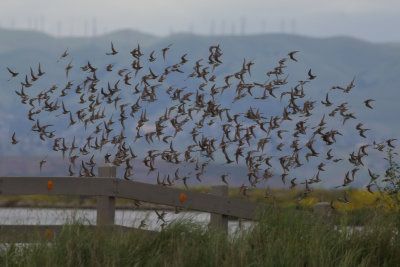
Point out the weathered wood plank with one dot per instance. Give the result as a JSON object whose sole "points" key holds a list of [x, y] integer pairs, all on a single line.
{"points": [[130, 190], [59, 186], [193, 200]]}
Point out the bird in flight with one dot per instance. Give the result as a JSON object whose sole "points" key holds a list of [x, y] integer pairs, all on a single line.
{"points": [[42, 162], [14, 140], [164, 50], [68, 68], [40, 72], [367, 103], [291, 55], [113, 51], [65, 54], [13, 73], [310, 76]]}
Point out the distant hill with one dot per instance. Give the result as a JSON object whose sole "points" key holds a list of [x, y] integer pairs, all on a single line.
{"points": [[335, 61]]}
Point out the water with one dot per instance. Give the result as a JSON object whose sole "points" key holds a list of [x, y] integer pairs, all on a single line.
{"points": [[129, 218]]}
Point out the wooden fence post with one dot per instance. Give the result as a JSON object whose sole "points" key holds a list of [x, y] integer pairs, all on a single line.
{"points": [[218, 220], [323, 210], [106, 204]]}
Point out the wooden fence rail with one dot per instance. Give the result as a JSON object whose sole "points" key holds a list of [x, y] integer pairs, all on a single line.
{"points": [[107, 188]]}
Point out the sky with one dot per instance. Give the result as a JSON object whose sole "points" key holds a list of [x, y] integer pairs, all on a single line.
{"points": [[371, 20]]}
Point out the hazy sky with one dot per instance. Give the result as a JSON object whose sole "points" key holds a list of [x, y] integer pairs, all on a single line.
{"points": [[374, 20]]}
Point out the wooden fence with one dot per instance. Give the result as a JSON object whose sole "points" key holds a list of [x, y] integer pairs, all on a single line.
{"points": [[106, 187]]}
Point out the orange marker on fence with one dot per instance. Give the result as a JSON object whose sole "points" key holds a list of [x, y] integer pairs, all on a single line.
{"points": [[183, 197], [48, 233], [49, 185]]}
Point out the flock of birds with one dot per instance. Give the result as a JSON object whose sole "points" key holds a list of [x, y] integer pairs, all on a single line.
{"points": [[266, 143]]}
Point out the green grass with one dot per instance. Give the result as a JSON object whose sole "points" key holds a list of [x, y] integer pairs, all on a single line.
{"points": [[287, 237]]}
